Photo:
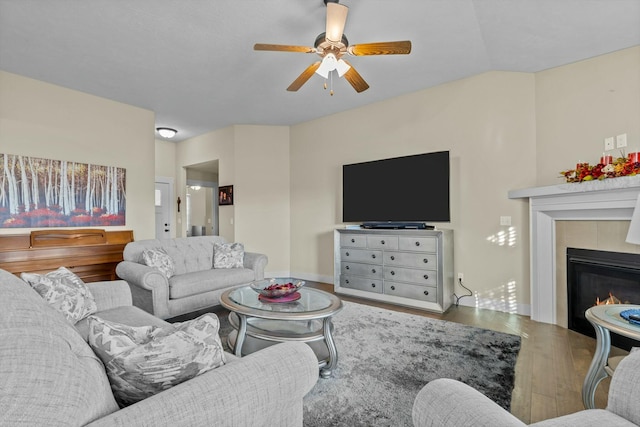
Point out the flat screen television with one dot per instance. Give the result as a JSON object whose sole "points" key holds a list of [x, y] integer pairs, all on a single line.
{"points": [[401, 189]]}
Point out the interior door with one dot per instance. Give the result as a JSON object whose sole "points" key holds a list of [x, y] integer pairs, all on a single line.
{"points": [[163, 211]]}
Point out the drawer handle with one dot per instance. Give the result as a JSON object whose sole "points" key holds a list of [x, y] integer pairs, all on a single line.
{"points": [[426, 277], [426, 292], [373, 270], [353, 240], [382, 242], [417, 243], [346, 267], [346, 253], [373, 256], [373, 285], [425, 260], [393, 273], [346, 281], [393, 288], [392, 258]]}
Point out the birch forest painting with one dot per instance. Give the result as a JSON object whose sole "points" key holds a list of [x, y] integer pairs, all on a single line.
{"points": [[56, 193]]}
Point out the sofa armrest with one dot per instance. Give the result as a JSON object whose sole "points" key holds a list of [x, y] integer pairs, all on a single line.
{"points": [[624, 389], [149, 287], [110, 294], [263, 389], [256, 262], [446, 402]]}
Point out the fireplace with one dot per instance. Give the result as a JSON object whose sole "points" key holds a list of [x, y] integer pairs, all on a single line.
{"points": [[607, 277]]}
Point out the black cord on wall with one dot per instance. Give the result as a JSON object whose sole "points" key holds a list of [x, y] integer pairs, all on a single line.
{"points": [[458, 298]]}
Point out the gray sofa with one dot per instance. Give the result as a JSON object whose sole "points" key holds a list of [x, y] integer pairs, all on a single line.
{"points": [[446, 402], [195, 285], [50, 376]]}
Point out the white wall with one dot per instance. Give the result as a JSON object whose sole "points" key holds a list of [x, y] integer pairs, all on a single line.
{"points": [[43, 120]]}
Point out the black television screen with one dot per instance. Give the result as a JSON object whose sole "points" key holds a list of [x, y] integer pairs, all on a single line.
{"points": [[410, 188]]}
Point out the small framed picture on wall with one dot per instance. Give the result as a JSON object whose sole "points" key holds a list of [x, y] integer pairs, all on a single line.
{"points": [[225, 195]]}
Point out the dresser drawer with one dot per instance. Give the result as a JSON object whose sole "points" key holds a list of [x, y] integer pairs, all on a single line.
{"points": [[382, 242], [357, 269], [419, 277], [423, 293], [361, 255], [362, 284], [420, 244], [353, 240], [411, 259]]}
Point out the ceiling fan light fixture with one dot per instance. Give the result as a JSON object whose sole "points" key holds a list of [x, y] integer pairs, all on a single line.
{"points": [[167, 132], [328, 64], [342, 67]]}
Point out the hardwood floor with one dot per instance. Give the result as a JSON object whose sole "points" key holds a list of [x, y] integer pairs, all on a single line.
{"points": [[551, 366]]}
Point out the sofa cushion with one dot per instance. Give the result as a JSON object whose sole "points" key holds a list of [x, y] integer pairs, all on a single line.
{"points": [[228, 255], [189, 256], [158, 258], [199, 282], [64, 291], [143, 361], [129, 315], [49, 375]]}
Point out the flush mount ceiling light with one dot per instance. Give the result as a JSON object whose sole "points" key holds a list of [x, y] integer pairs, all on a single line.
{"points": [[332, 45], [167, 132]]}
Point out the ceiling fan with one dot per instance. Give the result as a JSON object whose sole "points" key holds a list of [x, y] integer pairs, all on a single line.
{"points": [[332, 45]]}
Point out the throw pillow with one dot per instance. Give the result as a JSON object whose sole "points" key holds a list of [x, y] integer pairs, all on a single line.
{"points": [[228, 255], [65, 292], [143, 361], [158, 258]]}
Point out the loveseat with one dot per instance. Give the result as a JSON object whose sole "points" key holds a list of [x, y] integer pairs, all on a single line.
{"points": [[49, 375], [446, 402], [194, 285]]}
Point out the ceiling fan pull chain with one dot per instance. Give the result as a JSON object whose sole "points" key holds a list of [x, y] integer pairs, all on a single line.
{"points": [[331, 82]]}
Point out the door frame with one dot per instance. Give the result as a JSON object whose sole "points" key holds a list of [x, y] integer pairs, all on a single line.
{"points": [[172, 211]]}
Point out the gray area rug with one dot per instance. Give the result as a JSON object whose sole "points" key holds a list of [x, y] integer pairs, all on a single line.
{"points": [[386, 357]]}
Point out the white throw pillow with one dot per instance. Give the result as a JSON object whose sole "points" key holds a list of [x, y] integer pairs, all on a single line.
{"points": [[158, 258], [228, 255], [65, 292], [143, 361]]}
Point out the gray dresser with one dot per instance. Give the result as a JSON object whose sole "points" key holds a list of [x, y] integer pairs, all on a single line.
{"points": [[407, 267]]}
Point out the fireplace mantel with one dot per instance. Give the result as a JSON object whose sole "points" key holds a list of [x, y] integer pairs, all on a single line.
{"points": [[606, 200]]}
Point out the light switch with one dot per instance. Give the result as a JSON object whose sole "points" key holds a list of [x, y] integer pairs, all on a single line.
{"points": [[608, 144], [505, 220], [621, 140]]}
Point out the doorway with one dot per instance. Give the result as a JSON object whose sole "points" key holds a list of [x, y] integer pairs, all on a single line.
{"points": [[163, 213]]}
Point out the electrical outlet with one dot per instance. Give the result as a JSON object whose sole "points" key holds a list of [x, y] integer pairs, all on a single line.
{"points": [[621, 140], [460, 276], [505, 220], [608, 144]]}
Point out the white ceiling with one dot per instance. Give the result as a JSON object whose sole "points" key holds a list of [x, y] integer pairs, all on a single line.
{"points": [[193, 63]]}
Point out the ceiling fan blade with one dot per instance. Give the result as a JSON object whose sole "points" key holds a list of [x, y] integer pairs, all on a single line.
{"points": [[284, 48], [381, 48], [336, 20], [355, 79], [302, 78]]}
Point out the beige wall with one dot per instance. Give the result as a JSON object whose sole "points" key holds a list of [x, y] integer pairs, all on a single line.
{"points": [[488, 124], [165, 158], [579, 105], [43, 120], [255, 160]]}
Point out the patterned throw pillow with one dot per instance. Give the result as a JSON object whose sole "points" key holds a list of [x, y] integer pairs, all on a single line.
{"points": [[143, 361], [65, 292], [159, 259], [228, 255]]}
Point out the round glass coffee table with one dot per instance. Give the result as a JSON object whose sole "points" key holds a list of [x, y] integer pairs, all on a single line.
{"points": [[259, 324]]}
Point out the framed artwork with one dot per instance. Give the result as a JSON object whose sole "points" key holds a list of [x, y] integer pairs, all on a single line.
{"points": [[225, 195], [37, 192]]}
